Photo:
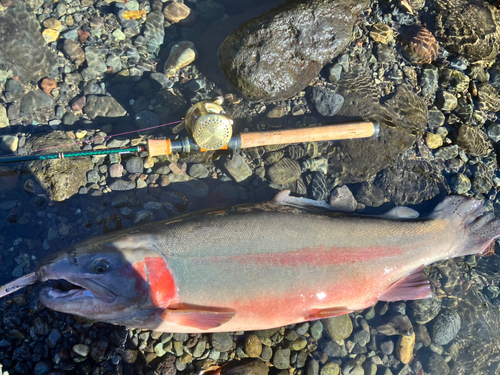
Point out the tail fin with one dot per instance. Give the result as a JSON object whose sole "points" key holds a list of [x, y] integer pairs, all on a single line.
{"points": [[480, 227]]}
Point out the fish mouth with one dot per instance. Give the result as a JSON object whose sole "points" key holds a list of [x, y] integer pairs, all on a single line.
{"points": [[81, 289]]}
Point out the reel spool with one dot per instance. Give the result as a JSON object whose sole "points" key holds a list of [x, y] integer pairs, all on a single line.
{"points": [[210, 127]]}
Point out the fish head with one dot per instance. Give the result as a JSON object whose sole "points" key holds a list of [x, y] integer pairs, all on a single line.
{"points": [[116, 279]]}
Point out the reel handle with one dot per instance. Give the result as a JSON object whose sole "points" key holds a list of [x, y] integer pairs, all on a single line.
{"points": [[361, 129]]}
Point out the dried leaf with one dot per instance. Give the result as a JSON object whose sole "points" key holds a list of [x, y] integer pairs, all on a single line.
{"points": [[133, 14]]}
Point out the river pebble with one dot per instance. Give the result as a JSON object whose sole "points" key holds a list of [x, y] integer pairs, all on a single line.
{"points": [[445, 327], [338, 328], [281, 359]]}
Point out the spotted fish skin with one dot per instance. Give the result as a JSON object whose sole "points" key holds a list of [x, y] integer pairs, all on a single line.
{"points": [[265, 265]]}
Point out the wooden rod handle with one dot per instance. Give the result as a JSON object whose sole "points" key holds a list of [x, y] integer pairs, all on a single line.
{"points": [[362, 129]]}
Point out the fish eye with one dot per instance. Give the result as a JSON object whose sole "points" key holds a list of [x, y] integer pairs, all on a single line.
{"points": [[100, 266]]}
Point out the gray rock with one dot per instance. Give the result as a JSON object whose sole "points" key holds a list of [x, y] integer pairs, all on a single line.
{"points": [[222, 341], [154, 29], [116, 170], [335, 72], [482, 184], [94, 60], [445, 327], [281, 359], [238, 168], [316, 329], [69, 118], [446, 101], [319, 190], [121, 185], [162, 80], [22, 47], [61, 178], [460, 184], [494, 132], [35, 101], [411, 181], [326, 101], [447, 152], [103, 106], [436, 118], [312, 367], [198, 171], [291, 62], [134, 165], [93, 177], [338, 328], [74, 52], [284, 171], [387, 347], [435, 365], [9, 143], [429, 81], [4, 117], [342, 199]]}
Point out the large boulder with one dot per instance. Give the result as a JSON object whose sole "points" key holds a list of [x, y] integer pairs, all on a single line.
{"points": [[61, 178], [275, 55], [22, 47]]}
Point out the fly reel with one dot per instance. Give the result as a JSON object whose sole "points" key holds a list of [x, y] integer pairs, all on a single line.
{"points": [[209, 126]]}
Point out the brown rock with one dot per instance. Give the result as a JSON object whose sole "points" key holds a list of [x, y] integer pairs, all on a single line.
{"points": [[253, 346], [79, 104], [74, 52], [178, 13], [48, 84], [420, 45], [83, 36]]}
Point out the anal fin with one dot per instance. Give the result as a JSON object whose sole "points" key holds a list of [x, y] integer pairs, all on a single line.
{"points": [[195, 316], [328, 312], [413, 286]]}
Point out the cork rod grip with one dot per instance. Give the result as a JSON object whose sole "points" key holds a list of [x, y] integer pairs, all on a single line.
{"points": [[363, 129]]}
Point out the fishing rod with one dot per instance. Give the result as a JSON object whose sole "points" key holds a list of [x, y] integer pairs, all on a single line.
{"points": [[210, 129]]}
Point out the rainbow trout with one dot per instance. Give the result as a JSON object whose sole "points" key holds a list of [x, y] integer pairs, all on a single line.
{"points": [[258, 266]]}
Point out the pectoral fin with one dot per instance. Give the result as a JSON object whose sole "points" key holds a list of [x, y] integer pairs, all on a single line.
{"points": [[200, 317], [412, 286], [328, 313]]}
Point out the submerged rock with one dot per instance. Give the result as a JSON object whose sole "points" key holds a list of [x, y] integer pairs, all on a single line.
{"points": [[277, 54], [22, 47], [60, 178]]}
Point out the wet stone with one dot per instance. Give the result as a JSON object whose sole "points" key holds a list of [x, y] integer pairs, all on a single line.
{"points": [[429, 81], [252, 346], [116, 170], [35, 101], [338, 328], [445, 327], [199, 348], [122, 185], [433, 140], [198, 171], [94, 60], [42, 368], [74, 52], [342, 199], [284, 171], [387, 347], [446, 101], [134, 165], [53, 338], [331, 368], [312, 367], [493, 131], [482, 184], [326, 102], [130, 356], [316, 329], [281, 359], [319, 190], [103, 106], [435, 365], [460, 184], [238, 168], [447, 152], [81, 349]]}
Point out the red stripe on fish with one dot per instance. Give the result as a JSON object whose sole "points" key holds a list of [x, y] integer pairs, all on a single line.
{"points": [[314, 256], [161, 282], [159, 279]]}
